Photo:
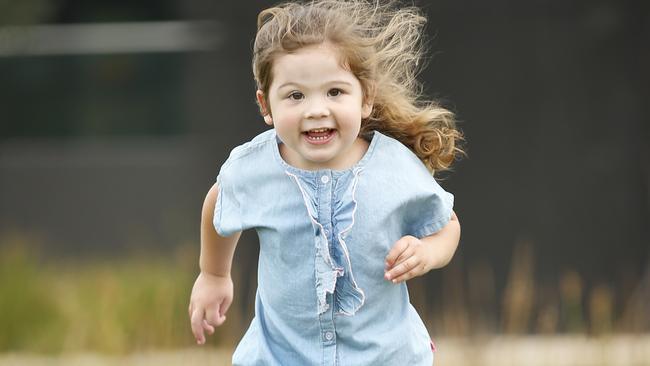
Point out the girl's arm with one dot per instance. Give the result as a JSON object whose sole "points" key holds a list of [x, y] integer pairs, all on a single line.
{"points": [[216, 251], [213, 289], [411, 257]]}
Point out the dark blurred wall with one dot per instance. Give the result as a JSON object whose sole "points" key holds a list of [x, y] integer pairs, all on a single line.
{"points": [[551, 95]]}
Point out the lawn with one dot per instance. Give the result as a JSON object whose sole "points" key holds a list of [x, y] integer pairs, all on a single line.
{"points": [[623, 350]]}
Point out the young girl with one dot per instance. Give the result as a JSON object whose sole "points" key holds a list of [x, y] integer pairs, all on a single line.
{"points": [[340, 192]]}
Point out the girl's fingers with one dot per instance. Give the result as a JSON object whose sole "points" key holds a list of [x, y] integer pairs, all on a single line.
{"points": [[225, 305], [197, 325], [214, 317], [402, 270], [406, 254], [207, 327], [406, 276], [397, 269], [396, 250]]}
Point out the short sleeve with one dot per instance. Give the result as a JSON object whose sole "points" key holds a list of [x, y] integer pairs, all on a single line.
{"points": [[431, 211], [227, 211], [422, 206]]}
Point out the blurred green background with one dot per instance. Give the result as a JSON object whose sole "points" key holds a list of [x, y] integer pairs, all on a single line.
{"points": [[115, 118]]}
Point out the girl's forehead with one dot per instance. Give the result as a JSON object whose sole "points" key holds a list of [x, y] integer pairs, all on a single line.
{"points": [[310, 72], [309, 60]]}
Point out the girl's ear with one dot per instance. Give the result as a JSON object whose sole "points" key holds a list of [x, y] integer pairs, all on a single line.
{"points": [[264, 110], [367, 103], [366, 108]]}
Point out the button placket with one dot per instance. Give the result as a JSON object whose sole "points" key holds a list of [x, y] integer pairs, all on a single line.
{"points": [[326, 319]]}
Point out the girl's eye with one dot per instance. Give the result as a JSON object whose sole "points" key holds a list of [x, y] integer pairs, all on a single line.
{"points": [[335, 92], [296, 96]]}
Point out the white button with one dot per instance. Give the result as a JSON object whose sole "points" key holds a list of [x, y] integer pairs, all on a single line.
{"points": [[325, 179], [329, 336]]}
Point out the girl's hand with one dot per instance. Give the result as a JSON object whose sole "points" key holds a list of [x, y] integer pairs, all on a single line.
{"points": [[211, 297], [410, 257]]}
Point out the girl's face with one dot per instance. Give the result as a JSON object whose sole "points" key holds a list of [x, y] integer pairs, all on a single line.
{"points": [[316, 107]]}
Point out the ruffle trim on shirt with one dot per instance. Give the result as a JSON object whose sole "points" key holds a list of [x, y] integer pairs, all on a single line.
{"points": [[348, 294], [333, 269]]}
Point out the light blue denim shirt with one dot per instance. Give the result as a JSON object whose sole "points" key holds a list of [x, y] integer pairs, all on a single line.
{"points": [[322, 298]]}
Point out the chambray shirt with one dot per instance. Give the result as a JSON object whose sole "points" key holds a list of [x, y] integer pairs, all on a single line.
{"points": [[322, 298]]}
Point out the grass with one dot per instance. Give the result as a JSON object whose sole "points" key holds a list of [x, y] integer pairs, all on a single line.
{"points": [[131, 309], [113, 307], [28, 315]]}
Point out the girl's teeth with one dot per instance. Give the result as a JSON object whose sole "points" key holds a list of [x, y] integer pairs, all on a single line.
{"points": [[319, 134]]}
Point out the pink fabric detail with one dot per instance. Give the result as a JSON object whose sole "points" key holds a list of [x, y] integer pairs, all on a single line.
{"points": [[433, 346]]}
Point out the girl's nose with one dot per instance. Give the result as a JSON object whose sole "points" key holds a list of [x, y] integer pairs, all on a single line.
{"points": [[317, 109]]}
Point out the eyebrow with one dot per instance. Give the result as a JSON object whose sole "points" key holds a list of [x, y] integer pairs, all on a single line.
{"points": [[291, 83]]}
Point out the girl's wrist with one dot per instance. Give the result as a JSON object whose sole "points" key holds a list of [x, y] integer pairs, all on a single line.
{"points": [[215, 274]]}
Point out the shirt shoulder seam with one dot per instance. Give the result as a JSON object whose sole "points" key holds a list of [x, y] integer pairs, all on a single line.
{"points": [[246, 149]]}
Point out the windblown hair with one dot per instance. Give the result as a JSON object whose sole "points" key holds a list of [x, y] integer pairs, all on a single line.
{"points": [[381, 44]]}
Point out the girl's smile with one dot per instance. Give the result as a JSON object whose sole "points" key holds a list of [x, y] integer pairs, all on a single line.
{"points": [[316, 106], [319, 136]]}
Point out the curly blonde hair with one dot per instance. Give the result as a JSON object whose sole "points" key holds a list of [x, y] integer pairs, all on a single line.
{"points": [[381, 44]]}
